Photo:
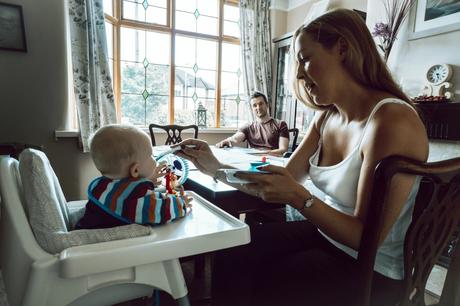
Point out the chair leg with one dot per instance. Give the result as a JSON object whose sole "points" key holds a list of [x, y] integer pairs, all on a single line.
{"points": [[183, 301]]}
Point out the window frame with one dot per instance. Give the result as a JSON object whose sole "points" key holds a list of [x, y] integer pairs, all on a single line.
{"points": [[117, 22]]}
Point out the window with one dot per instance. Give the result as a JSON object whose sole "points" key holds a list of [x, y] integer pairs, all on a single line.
{"points": [[170, 57]]}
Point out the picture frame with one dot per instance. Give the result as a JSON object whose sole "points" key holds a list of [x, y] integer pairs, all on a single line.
{"points": [[428, 18], [12, 31]]}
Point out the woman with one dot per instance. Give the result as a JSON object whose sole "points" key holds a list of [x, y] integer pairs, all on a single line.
{"points": [[363, 117]]}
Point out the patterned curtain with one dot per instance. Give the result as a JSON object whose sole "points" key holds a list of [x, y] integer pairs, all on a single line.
{"points": [[91, 74], [256, 45]]}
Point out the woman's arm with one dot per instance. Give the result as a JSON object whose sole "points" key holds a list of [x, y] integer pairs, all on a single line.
{"points": [[283, 146], [395, 130]]}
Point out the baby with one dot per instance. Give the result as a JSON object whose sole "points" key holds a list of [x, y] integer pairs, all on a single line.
{"points": [[124, 194]]}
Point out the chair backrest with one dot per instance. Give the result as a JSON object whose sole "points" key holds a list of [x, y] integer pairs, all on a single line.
{"points": [[435, 221], [36, 244], [293, 139], [173, 131], [19, 246]]}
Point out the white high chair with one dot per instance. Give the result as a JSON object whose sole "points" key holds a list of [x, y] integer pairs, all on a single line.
{"points": [[43, 265]]}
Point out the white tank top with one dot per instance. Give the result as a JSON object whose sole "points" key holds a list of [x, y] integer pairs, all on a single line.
{"points": [[339, 184]]}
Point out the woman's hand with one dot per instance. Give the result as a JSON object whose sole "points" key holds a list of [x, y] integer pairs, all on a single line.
{"points": [[201, 155], [277, 187]]}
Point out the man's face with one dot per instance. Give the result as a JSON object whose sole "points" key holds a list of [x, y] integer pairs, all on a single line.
{"points": [[259, 107]]}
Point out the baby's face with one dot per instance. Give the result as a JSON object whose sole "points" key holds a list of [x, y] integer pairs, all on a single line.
{"points": [[147, 162]]}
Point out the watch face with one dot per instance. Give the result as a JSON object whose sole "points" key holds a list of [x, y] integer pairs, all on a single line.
{"points": [[438, 74]]}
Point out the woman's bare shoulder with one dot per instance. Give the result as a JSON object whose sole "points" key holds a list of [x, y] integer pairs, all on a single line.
{"points": [[397, 129]]}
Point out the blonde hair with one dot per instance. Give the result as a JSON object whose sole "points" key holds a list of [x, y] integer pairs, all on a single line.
{"points": [[362, 60], [115, 147]]}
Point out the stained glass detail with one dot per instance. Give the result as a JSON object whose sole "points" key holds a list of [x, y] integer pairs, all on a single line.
{"points": [[148, 11], [194, 97], [237, 99], [238, 72], [197, 14], [146, 62], [145, 94], [195, 68]]}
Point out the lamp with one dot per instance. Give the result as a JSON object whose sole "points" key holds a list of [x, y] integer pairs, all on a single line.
{"points": [[201, 115]]}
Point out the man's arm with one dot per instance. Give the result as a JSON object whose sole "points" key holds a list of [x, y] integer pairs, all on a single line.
{"points": [[230, 141], [283, 146], [283, 140]]}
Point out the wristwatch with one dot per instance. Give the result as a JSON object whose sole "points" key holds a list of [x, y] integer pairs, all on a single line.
{"points": [[308, 202]]}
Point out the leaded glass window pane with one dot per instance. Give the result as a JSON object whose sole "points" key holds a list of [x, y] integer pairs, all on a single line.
{"points": [[149, 11], [231, 21], [195, 78], [144, 62], [233, 99], [200, 16]]}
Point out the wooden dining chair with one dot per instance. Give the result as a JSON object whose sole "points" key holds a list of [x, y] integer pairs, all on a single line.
{"points": [[14, 148], [435, 222], [292, 142], [295, 135], [173, 132]]}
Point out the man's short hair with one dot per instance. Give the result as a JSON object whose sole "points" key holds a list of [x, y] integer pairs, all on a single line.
{"points": [[257, 94]]}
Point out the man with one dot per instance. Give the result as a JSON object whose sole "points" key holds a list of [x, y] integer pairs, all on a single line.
{"points": [[266, 133]]}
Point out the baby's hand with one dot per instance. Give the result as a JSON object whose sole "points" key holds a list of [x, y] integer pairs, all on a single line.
{"points": [[187, 199], [159, 172]]}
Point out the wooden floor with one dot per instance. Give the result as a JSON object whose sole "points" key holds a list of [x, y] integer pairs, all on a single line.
{"points": [[200, 289]]}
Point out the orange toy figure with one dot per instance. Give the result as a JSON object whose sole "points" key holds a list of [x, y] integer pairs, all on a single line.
{"points": [[171, 182]]}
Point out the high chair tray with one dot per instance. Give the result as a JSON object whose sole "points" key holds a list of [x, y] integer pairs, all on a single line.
{"points": [[206, 228]]}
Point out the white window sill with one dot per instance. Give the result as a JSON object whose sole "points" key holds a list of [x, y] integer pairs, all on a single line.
{"points": [[66, 134], [76, 133]]}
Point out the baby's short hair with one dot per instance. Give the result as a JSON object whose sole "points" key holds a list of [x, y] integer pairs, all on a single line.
{"points": [[115, 147]]}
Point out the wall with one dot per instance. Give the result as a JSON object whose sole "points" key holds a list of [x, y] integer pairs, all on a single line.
{"points": [[298, 10], [33, 88], [288, 15], [33, 101], [410, 59]]}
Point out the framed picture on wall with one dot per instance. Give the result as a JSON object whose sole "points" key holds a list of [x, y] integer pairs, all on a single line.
{"points": [[12, 33], [434, 17]]}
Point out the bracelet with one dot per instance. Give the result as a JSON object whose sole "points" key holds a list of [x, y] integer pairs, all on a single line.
{"points": [[307, 203]]}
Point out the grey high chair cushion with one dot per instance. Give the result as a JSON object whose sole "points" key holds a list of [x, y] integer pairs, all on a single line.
{"points": [[49, 215]]}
